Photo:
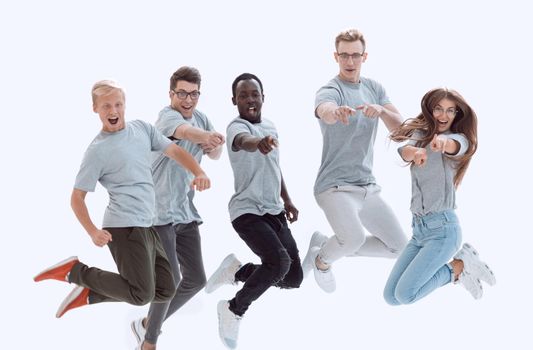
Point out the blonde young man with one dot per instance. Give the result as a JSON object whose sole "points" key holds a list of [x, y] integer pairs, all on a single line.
{"points": [[348, 109], [119, 158]]}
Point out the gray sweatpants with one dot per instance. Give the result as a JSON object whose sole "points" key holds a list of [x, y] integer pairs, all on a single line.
{"points": [[182, 244], [351, 209]]}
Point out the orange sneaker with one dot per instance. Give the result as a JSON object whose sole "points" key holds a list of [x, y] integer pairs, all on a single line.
{"points": [[78, 297], [58, 271]]}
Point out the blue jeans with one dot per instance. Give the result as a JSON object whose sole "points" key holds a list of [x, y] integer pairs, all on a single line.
{"points": [[422, 267]]}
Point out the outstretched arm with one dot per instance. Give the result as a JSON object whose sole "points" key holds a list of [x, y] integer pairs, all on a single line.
{"points": [[388, 113], [212, 153], [246, 142], [330, 113], [77, 202], [417, 155], [199, 136], [443, 144]]}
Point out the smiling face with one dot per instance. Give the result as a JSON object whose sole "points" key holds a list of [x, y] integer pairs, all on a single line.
{"points": [[444, 114], [187, 105], [110, 108], [249, 100]]}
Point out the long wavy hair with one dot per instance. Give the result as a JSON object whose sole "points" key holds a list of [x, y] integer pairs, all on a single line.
{"points": [[465, 123]]}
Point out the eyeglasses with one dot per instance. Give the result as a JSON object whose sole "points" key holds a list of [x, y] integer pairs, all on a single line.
{"points": [[182, 95], [346, 56], [450, 112]]}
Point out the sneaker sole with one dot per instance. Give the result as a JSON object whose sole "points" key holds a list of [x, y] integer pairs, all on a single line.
{"points": [[134, 330], [492, 279], [69, 299], [224, 265], [314, 242], [64, 262], [220, 308]]}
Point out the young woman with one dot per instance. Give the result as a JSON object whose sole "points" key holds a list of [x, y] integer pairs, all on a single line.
{"points": [[441, 142]]}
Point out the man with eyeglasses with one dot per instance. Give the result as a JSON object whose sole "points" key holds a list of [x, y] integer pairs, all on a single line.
{"points": [[348, 108], [177, 219]]}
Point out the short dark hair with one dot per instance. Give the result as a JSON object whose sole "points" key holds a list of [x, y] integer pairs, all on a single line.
{"points": [[245, 76], [189, 74]]}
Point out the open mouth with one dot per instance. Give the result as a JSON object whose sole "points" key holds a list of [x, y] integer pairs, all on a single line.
{"points": [[113, 121], [442, 122], [252, 109]]}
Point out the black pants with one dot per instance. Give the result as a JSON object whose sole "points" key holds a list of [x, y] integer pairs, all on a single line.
{"points": [[270, 238]]}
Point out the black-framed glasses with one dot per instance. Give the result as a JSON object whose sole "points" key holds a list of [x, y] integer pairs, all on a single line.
{"points": [[450, 112], [346, 56], [182, 94]]}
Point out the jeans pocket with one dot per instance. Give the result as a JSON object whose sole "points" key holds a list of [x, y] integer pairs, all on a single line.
{"points": [[435, 225]]}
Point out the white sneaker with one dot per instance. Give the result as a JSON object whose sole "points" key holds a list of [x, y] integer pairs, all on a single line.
{"points": [[324, 279], [228, 324], [474, 266], [138, 330], [317, 240], [471, 283], [225, 274]]}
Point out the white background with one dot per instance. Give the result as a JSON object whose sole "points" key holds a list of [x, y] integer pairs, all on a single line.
{"points": [[53, 51]]}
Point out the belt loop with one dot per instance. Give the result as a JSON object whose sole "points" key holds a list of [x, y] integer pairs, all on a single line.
{"points": [[446, 216]]}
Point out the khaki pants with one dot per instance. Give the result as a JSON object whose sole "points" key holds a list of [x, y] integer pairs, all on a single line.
{"points": [[144, 273]]}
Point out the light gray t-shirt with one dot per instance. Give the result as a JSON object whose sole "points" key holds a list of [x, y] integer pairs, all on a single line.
{"points": [[120, 161], [432, 184], [257, 177], [348, 150], [173, 194]]}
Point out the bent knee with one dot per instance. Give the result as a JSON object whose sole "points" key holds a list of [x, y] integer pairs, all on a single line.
{"points": [[390, 298], [296, 279], [405, 296], [278, 264], [350, 243], [142, 297]]}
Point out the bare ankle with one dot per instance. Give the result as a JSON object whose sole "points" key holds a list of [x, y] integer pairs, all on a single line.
{"points": [[457, 266], [148, 346], [322, 266]]}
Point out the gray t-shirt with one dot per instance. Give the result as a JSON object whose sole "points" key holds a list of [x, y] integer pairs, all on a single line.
{"points": [[173, 194], [432, 184], [348, 150], [257, 177], [120, 161]]}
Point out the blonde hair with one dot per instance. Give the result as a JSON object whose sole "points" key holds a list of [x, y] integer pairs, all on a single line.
{"points": [[105, 87], [350, 35]]}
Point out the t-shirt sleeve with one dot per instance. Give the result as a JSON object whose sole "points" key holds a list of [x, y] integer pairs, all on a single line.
{"points": [[90, 171], [169, 121], [463, 144], [208, 125], [381, 94], [158, 141], [234, 129], [410, 142], [328, 94]]}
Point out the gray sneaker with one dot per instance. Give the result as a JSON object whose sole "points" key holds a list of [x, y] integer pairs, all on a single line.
{"points": [[317, 240], [474, 266], [324, 279], [138, 330], [225, 274], [471, 283], [228, 324]]}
